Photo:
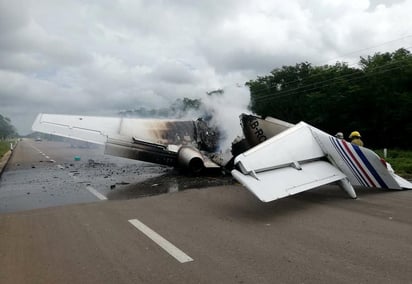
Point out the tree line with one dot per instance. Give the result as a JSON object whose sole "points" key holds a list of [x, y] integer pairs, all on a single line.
{"points": [[374, 98], [7, 130]]}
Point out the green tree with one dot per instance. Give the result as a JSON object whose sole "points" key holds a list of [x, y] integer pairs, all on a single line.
{"points": [[374, 99], [7, 130], [387, 97]]}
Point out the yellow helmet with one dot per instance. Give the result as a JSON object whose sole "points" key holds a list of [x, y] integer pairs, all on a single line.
{"points": [[354, 134]]}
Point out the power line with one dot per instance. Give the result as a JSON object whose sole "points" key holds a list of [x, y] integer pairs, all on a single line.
{"points": [[369, 48], [309, 77], [319, 84], [284, 84], [282, 95]]}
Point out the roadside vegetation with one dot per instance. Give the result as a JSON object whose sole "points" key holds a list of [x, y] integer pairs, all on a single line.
{"points": [[7, 129], [400, 160], [373, 97], [4, 147]]}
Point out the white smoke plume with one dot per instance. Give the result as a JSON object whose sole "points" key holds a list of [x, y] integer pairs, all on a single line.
{"points": [[220, 109], [225, 109]]}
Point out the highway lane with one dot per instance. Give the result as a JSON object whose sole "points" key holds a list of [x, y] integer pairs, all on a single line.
{"points": [[315, 237], [44, 174], [32, 179], [49, 173]]}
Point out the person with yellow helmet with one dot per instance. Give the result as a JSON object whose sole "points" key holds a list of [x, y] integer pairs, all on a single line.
{"points": [[355, 138]]}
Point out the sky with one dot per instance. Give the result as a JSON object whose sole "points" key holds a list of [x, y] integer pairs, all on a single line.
{"points": [[100, 57]]}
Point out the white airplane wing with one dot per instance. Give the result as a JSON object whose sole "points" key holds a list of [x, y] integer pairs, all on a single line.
{"points": [[85, 128], [98, 129]]}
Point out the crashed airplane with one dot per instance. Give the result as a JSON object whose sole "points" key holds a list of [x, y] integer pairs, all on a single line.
{"points": [[275, 159]]}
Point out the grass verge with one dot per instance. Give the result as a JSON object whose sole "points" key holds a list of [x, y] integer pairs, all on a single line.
{"points": [[4, 147], [400, 160]]}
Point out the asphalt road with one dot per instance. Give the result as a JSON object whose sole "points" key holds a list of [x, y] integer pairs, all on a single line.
{"points": [[219, 234]]}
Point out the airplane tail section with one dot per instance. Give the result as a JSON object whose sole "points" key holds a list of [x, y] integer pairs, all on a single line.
{"points": [[303, 157], [288, 163]]}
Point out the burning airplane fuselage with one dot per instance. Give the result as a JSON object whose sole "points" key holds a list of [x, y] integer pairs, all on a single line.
{"points": [[177, 143]]}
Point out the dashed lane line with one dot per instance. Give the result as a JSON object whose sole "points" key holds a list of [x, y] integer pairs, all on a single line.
{"points": [[89, 188], [43, 154], [96, 193], [162, 242]]}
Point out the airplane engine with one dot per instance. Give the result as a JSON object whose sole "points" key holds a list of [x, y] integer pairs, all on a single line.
{"points": [[190, 158]]}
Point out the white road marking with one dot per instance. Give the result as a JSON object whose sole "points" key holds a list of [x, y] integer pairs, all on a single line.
{"points": [[162, 242], [45, 155], [89, 188], [96, 193], [37, 149]]}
